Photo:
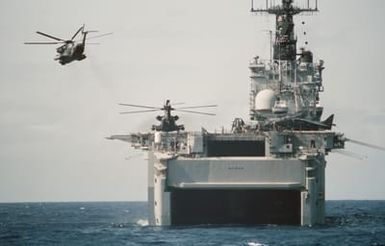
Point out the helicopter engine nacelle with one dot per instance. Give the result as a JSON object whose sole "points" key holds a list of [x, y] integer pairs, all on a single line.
{"points": [[60, 50], [159, 118]]}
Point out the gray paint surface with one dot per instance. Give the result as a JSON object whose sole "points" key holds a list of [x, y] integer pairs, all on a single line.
{"points": [[53, 119], [236, 172]]}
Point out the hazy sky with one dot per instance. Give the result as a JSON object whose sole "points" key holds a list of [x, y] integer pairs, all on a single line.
{"points": [[53, 118]]}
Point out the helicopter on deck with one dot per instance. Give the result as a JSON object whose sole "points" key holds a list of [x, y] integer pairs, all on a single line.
{"points": [[71, 49], [168, 121]]}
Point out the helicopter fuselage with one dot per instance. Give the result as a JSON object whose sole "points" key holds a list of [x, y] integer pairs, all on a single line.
{"points": [[70, 49], [70, 52], [167, 124]]}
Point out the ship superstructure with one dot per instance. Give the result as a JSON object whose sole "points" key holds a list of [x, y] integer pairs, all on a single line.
{"points": [[268, 170]]}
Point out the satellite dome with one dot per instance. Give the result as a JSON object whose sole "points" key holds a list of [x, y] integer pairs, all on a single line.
{"points": [[264, 101]]}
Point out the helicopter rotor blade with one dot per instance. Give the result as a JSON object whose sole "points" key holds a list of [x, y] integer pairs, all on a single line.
{"points": [[99, 36], [139, 106], [202, 106], [49, 36], [365, 144], [90, 31], [77, 32], [194, 112], [139, 111], [43, 42], [350, 154]]}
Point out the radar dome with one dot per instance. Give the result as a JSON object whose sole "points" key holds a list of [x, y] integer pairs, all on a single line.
{"points": [[264, 101]]}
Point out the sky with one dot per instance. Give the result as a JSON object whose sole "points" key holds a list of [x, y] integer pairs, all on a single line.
{"points": [[54, 119]]}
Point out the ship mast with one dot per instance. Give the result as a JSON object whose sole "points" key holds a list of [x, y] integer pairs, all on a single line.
{"points": [[291, 81], [285, 44]]}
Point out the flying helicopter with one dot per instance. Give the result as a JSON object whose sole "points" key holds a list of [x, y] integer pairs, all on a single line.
{"points": [[70, 49], [167, 121]]}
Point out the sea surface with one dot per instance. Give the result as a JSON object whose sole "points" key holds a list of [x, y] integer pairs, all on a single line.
{"points": [[125, 223]]}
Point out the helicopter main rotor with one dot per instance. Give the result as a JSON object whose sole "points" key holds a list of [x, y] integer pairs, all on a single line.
{"points": [[68, 41], [167, 108], [167, 121], [59, 40]]}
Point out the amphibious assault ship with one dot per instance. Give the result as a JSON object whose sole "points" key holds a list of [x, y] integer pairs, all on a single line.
{"points": [[269, 169]]}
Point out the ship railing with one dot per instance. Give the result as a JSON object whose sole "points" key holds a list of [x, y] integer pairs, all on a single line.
{"points": [[260, 62]]}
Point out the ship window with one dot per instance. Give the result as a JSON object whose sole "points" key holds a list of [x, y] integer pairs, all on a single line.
{"points": [[235, 148], [287, 139], [312, 144], [276, 77]]}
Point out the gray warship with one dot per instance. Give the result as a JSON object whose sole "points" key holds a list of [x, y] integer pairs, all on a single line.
{"points": [[269, 169]]}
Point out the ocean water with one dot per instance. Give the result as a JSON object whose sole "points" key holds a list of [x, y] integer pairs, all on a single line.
{"points": [[125, 223]]}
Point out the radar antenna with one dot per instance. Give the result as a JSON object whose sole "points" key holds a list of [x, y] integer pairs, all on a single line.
{"points": [[285, 45]]}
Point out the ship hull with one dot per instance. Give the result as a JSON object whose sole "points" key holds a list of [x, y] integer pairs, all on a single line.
{"points": [[235, 190]]}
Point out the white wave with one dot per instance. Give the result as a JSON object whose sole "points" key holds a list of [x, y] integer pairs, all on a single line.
{"points": [[255, 244], [141, 222]]}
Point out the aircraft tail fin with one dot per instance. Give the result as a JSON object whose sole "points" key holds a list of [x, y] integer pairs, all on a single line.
{"points": [[329, 122]]}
